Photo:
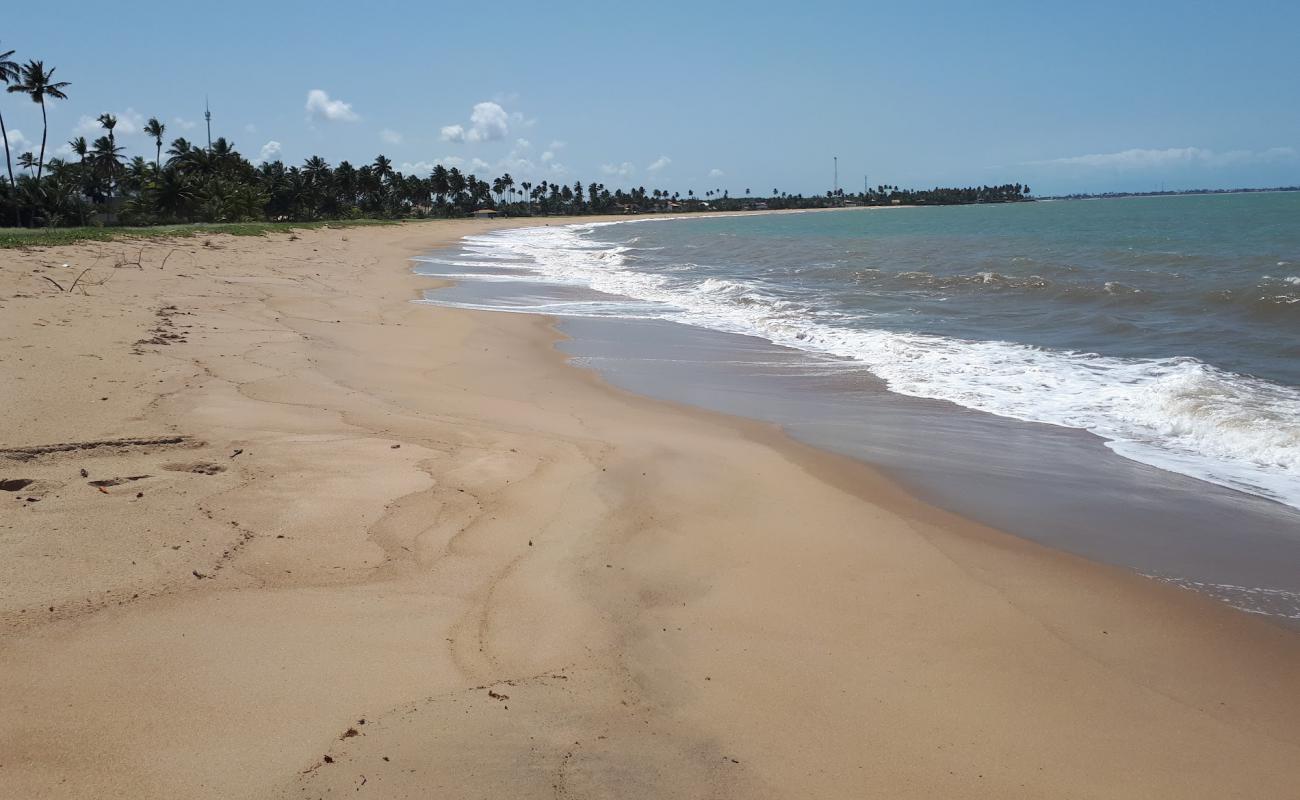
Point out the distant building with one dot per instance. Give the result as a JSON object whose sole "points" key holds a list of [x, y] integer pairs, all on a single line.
{"points": [[486, 213]]}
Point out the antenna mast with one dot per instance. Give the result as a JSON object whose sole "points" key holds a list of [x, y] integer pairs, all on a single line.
{"points": [[835, 190], [207, 115]]}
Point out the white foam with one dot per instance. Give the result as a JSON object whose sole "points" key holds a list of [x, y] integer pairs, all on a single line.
{"points": [[1178, 414]]}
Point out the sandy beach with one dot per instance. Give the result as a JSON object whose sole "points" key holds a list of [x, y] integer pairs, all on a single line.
{"points": [[270, 529]]}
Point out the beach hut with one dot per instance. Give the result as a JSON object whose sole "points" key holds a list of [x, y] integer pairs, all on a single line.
{"points": [[485, 213]]}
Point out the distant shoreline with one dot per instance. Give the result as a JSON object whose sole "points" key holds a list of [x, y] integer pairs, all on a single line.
{"points": [[1171, 193]]}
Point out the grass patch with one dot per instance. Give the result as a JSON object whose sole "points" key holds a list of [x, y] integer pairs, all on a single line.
{"points": [[52, 237]]}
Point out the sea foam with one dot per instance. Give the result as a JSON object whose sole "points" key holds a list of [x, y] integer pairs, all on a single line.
{"points": [[1178, 414]]}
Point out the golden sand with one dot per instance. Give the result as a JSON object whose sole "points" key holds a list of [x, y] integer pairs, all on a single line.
{"points": [[344, 544]]}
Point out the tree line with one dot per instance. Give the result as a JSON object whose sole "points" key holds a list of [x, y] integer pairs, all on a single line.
{"points": [[99, 184]]}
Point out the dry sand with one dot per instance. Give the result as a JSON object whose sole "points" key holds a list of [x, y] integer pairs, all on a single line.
{"points": [[445, 564]]}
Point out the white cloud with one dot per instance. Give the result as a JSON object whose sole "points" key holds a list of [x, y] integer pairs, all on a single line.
{"points": [[183, 124], [17, 141], [512, 163], [488, 122], [270, 152], [390, 136], [547, 156], [618, 170], [1138, 159], [716, 173], [129, 123], [425, 167], [321, 106], [659, 163], [523, 144]]}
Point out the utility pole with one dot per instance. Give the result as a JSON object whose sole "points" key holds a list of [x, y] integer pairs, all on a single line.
{"points": [[835, 189], [207, 115]]}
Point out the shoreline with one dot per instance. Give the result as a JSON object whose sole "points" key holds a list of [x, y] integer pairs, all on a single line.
{"points": [[1062, 486], [432, 505]]}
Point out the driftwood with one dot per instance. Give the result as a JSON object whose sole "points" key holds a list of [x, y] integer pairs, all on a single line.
{"points": [[78, 280], [138, 263]]}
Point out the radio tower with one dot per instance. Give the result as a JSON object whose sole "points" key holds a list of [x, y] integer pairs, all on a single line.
{"points": [[207, 115], [835, 190]]}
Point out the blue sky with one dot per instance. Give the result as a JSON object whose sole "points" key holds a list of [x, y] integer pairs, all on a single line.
{"points": [[700, 95]]}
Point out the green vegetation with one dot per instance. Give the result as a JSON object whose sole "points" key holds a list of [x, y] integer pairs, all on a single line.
{"points": [[50, 237], [217, 185]]}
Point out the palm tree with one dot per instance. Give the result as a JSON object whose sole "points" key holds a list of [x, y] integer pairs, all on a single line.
{"points": [[155, 129], [383, 166], [178, 151], [79, 146], [35, 82], [8, 74], [26, 160], [107, 157], [439, 182], [108, 122]]}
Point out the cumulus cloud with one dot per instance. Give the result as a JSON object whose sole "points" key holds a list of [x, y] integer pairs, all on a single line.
{"points": [[129, 123], [659, 163], [488, 122], [16, 140], [716, 173], [182, 123], [513, 163], [547, 156], [523, 144], [415, 167], [1138, 159], [390, 136], [270, 152], [420, 168], [425, 167], [321, 106], [618, 170]]}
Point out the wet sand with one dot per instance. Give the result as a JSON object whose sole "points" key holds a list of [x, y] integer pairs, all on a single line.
{"points": [[1058, 486], [350, 543]]}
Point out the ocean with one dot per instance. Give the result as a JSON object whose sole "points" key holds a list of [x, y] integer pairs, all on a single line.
{"points": [[1021, 364]]}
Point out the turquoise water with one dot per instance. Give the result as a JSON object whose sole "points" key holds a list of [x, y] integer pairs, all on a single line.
{"points": [[1169, 327]]}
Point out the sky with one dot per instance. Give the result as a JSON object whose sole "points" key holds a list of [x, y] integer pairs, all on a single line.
{"points": [[1066, 97]]}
